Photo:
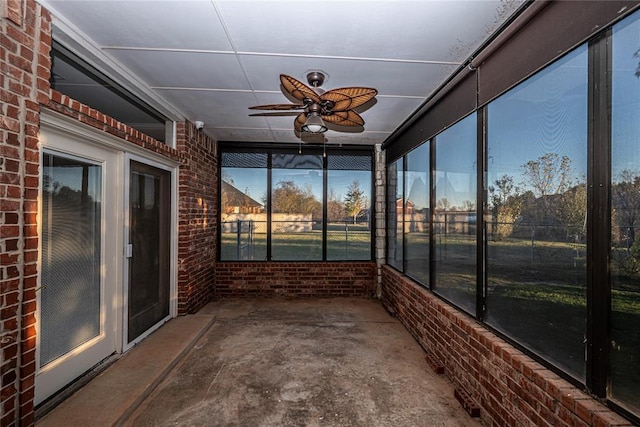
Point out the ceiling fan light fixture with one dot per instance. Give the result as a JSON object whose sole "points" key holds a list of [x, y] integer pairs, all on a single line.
{"points": [[314, 124]]}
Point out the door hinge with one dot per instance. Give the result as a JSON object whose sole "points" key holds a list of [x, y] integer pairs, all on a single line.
{"points": [[128, 250]]}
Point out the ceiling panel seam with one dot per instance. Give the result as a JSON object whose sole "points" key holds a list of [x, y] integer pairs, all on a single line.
{"points": [[350, 58]]}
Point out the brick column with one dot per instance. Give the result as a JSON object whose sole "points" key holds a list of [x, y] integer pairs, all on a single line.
{"points": [[380, 209], [197, 217], [25, 31]]}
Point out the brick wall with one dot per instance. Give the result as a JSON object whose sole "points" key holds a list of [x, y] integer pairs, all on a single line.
{"points": [[510, 387], [94, 118], [25, 31], [197, 217], [295, 279]]}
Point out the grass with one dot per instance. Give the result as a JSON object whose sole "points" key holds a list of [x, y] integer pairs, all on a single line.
{"points": [[306, 246], [537, 295]]}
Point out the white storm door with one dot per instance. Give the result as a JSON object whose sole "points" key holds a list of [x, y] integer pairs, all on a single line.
{"points": [[78, 268]]}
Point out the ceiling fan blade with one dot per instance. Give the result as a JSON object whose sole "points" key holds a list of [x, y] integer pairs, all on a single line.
{"points": [[346, 98], [297, 89], [277, 107], [274, 114], [344, 118], [299, 121]]}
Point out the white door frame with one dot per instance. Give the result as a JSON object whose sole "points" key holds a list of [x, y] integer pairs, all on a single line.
{"points": [[60, 133], [57, 373], [173, 249]]}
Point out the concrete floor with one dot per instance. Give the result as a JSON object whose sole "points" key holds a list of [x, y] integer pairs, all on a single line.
{"points": [[271, 362]]}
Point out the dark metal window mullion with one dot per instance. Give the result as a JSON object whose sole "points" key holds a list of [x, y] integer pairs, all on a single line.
{"points": [[325, 200], [432, 204], [372, 207], [404, 210], [481, 201], [598, 214], [269, 191], [220, 208]]}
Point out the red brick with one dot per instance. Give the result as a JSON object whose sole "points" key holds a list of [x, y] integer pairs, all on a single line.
{"points": [[609, 419]]}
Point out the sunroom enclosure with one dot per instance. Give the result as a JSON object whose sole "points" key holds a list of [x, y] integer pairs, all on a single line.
{"points": [[498, 223], [522, 211]]}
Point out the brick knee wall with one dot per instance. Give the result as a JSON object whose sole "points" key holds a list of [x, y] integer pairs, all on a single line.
{"points": [[510, 387], [295, 279]]}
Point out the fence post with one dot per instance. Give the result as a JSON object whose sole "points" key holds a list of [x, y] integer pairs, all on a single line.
{"points": [[238, 233], [250, 243], [346, 239], [533, 233]]}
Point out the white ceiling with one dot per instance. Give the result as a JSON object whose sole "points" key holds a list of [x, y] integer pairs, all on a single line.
{"points": [[210, 59]]}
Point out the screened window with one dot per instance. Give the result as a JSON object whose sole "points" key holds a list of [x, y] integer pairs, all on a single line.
{"points": [[454, 220], [395, 213], [296, 207], [625, 215], [349, 188], [243, 197], [416, 230], [537, 165], [283, 205]]}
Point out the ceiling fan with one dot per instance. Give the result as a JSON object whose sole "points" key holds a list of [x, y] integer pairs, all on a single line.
{"points": [[334, 106]]}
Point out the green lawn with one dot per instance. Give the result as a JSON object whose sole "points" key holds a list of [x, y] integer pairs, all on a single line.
{"points": [[351, 244]]}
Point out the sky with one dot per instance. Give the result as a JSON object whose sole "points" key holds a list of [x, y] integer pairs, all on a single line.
{"points": [[626, 96]]}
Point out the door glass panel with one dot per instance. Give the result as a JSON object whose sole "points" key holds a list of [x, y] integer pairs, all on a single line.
{"points": [[149, 204], [71, 285]]}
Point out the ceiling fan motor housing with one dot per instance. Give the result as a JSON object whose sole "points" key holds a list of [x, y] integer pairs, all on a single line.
{"points": [[315, 78], [325, 107]]}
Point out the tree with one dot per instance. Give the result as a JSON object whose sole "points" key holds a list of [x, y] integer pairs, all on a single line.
{"points": [[335, 208], [572, 210], [468, 205], [224, 196], [501, 191], [548, 175], [626, 203], [288, 198], [443, 204], [506, 205], [355, 200]]}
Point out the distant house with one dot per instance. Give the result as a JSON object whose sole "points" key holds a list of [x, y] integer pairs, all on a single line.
{"points": [[235, 201]]}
